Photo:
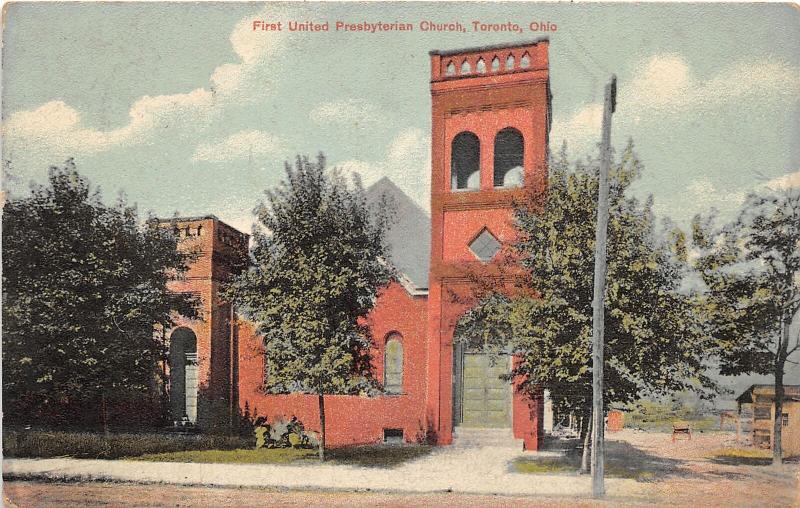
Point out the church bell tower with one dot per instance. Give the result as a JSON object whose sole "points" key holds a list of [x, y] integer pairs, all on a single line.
{"points": [[490, 123]]}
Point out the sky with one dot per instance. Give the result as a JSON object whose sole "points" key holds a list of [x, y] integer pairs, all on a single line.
{"points": [[186, 109]]}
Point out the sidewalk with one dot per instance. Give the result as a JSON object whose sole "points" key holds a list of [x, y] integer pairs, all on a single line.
{"points": [[478, 470]]}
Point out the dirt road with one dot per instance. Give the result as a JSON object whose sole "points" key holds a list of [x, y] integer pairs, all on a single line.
{"points": [[74, 495]]}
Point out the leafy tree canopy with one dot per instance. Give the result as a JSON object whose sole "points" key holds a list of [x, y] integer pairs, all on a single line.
{"points": [[83, 286], [751, 270], [317, 271], [654, 344]]}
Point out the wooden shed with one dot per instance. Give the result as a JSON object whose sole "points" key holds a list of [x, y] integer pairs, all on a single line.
{"points": [[759, 400]]}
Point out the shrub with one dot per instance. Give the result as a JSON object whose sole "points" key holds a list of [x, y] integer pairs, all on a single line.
{"points": [[87, 445], [659, 416]]}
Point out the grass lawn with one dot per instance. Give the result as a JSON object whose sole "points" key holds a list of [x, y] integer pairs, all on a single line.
{"points": [[546, 465], [742, 456], [622, 461], [571, 463], [241, 456], [652, 424], [367, 456], [93, 445]]}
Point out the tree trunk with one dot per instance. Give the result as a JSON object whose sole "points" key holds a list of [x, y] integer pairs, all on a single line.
{"points": [[321, 398], [777, 452], [582, 427], [104, 410], [587, 439], [780, 364]]}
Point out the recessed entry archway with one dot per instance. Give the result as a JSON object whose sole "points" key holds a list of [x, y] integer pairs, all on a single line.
{"points": [[481, 396], [183, 374]]}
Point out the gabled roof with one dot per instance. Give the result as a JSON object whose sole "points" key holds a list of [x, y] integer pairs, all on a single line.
{"points": [[409, 238], [410, 287], [791, 392]]}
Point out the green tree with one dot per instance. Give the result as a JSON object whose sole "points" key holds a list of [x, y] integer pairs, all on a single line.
{"points": [[318, 268], [83, 286], [654, 345], [751, 269]]}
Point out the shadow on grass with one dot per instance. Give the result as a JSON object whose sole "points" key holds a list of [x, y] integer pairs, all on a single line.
{"points": [[556, 444], [741, 461], [378, 456], [747, 457], [622, 461]]}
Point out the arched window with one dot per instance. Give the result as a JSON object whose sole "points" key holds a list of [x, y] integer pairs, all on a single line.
{"points": [[451, 69], [509, 153], [480, 67], [525, 61], [465, 162], [465, 67], [495, 64], [393, 365]]}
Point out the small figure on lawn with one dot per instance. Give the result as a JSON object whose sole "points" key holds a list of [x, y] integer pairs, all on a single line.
{"points": [[261, 432], [295, 433]]}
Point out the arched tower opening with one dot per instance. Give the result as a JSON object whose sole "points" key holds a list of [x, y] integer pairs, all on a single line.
{"points": [[465, 161], [183, 374], [509, 158]]}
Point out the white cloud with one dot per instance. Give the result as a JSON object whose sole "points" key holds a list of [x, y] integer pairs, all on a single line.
{"points": [[665, 82], [357, 112], [582, 126], [788, 181], [368, 173], [241, 145], [703, 195], [407, 164], [242, 222], [666, 85], [410, 145], [55, 130], [254, 48]]}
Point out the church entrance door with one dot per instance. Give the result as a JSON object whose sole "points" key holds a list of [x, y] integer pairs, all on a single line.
{"points": [[482, 398]]}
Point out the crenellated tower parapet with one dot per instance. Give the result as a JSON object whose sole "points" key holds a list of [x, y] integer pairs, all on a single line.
{"points": [[504, 60]]}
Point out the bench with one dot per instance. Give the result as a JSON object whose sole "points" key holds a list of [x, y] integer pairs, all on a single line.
{"points": [[681, 428]]}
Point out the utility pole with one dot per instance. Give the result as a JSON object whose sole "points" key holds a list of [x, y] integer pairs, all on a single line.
{"points": [[598, 304]]}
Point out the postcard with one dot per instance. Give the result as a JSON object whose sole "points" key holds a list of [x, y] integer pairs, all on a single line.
{"points": [[400, 254]]}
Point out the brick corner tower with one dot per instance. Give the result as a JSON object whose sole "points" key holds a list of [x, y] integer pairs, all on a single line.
{"points": [[203, 352]]}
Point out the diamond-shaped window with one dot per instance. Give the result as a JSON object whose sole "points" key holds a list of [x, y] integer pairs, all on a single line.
{"points": [[485, 246]]}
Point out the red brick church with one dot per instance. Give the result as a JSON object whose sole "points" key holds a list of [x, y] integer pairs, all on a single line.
{"points": [[490, 123]]}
